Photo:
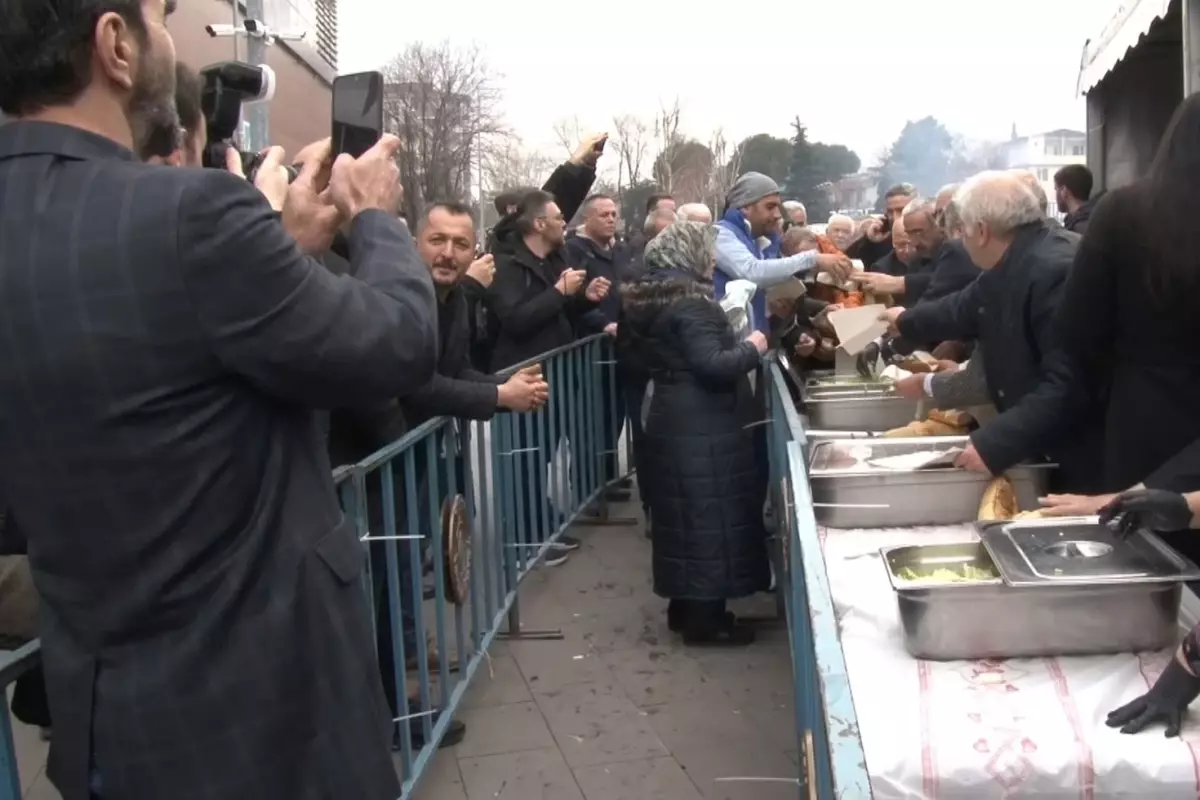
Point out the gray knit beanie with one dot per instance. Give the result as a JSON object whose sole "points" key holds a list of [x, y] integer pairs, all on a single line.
{"points": [[749, 188]]}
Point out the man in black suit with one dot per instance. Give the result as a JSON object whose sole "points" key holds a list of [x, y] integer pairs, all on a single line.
{"points": [[164, 341]]}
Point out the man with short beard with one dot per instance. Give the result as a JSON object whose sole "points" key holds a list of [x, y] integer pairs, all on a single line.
{"points": [[166, 344]]}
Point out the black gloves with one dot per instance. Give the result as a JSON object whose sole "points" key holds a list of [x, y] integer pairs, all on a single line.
{"points": [[868, 359], [1167, 702], [1152, 509]]}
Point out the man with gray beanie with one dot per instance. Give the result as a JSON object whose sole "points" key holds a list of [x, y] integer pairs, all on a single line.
{"points": [[748, 239]]}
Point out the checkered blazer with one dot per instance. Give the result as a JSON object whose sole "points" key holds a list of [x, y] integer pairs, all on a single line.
{"points": [[163, 343]]}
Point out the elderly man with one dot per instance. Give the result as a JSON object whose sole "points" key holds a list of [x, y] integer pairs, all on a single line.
{"points": [[841, 231], [748, 243], [795, 214], [945, 266], [694, 212], [896, 263], [1010, 310]]}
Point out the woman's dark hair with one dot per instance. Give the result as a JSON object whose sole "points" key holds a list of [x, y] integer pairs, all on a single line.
{"points": [[1168, 194], [46, 49]]}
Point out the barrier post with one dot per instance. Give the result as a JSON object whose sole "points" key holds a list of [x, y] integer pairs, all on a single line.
{"points": [[605, 423]]}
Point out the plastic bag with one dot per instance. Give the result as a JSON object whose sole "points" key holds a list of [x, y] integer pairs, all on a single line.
{"points": [[737, 307], [559, 478]]}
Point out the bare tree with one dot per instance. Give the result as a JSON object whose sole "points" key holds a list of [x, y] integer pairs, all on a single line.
{"points": [[568, 133], [511, 166], [726, 166], [631, 140], [666, 132], [443, 104]]}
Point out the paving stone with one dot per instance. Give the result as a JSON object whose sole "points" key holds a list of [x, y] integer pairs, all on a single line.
{"points": [[651, 676], [529, 775], [498, 682], [442, 780], [651, 779], [503, 729], [597, 724]]}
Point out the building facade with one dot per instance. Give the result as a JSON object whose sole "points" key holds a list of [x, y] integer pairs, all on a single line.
{"points": [[1044, 154], [304, 70]]}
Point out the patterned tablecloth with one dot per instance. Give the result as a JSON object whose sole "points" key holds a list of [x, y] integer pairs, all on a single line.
{"points": [[992, 730]]}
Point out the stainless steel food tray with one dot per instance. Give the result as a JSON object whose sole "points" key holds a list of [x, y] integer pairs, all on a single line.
{"points": [[849, 493], [863, 407], [990, 619]]}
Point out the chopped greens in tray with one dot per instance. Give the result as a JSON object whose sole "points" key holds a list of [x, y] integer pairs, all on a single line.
{"points": [[958, 573]]}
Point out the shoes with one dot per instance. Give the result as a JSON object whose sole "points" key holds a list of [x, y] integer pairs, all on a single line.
{"points": [[568, 543], [727, 633], [455, 733], [555, 556]]}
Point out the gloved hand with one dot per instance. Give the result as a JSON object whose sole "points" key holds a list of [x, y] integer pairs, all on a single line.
{"points": [[868, 360], [1152, 509], [1166, 702]]}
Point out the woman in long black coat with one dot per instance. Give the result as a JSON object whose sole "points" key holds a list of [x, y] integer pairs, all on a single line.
{"points": [[706, 487], [1129, 311]]}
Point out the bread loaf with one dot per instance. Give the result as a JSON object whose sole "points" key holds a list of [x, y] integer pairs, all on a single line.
{"points": [[940, 423], [999, 501]]}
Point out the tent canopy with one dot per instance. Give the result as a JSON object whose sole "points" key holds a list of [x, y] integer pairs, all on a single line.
{"points": [[1131, 21]]}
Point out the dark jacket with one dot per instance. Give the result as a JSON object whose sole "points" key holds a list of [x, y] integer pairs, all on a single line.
{"points": [[456, 389], [1010, 310], [706, 488], [949, 270], [890, 264], [870, 253], [1077, 221], [1138, 351], [203, 622], [570, 184], [533, 316], [612, 263]]}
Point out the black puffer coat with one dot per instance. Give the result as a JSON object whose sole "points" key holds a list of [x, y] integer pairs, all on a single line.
{"points": [[706, 489]]}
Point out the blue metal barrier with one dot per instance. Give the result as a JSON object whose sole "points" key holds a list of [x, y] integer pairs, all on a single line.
{"points": [[510, 486], [833, 763]]}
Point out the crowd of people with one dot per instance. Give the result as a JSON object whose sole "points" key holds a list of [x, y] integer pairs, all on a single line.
{"points": [[188, 354]]}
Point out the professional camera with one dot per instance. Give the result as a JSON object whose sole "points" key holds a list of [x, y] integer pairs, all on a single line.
{"points": [[227, 86]]}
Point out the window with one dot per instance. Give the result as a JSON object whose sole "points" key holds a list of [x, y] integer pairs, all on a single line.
{"points": [[1054, 148], [1043, 174], [1076, 149]]}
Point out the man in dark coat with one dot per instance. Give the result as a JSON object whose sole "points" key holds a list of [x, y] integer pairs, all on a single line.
{"points": [[165, 341], [569, 185], [446, 243], [1073, 193], [595, 250], [875, 241], [1010, 311]]}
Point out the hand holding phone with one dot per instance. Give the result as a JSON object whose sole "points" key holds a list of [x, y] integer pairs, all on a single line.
{"points": [[357, 112]]}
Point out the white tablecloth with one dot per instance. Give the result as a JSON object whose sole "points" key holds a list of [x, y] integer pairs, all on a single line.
{"points": [[985, 730]]}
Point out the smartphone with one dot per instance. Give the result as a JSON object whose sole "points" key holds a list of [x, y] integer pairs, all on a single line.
{"points": [[357, 112], [599, 147]]}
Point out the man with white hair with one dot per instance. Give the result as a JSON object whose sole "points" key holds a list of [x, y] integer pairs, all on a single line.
{"points": [[694, 212], [841, 230], [942, 265], [1010, 310], [795, 214]]}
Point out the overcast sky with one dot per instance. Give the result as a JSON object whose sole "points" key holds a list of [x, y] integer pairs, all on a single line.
{"points": [[853, 70]]}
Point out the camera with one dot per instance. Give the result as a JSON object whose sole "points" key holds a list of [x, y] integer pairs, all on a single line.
{"points": [[226, 87]]}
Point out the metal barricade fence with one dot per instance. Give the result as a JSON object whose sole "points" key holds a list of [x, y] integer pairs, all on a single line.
{"points": [[833, 764], [451, 517]]}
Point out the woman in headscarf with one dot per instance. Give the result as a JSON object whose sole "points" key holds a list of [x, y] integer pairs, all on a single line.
{"points": [[706, 488]]}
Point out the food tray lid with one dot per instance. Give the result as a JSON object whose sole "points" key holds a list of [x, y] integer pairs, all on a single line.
{"points": [[880, 456], [1080, 551]]}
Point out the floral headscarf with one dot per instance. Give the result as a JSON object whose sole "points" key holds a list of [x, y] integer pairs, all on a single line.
{"points": [[684, 247]]}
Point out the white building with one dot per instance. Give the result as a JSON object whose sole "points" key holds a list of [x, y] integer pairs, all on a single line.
{"points": [[1045, 154]]}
